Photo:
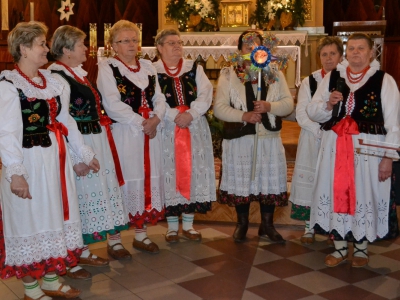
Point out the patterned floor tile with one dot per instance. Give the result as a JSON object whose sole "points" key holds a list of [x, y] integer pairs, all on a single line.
{"points": [[348, 274], [313, 260], [350, 292], [383, 285], [168, 293], [221, 263], [182, 272], [316, 282], [283, 268], [287, 249], [257, 277], [279, 289]]}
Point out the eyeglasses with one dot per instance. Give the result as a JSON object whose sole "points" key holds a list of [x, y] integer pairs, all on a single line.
{"points": [[173, 44], [126, 42]]}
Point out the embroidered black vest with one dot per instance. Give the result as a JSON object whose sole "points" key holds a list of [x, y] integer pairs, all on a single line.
{"points": [[188, 83], [35, 117], [234, 130], [130, 93], [82, 105], [313, 84], [367, 111]]}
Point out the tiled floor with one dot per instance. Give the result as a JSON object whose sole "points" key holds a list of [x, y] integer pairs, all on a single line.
{"points": [[217, 268]]}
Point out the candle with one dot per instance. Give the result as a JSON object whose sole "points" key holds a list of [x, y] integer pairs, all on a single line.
{"points": [[32, 10], [93, 39], [107, 46]]}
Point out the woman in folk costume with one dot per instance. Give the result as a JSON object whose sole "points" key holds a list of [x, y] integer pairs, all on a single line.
{"points": [[330, 52], [235, 104], [133, 100], [189, 179], [352, 187], [41, 234], [100, 198]]}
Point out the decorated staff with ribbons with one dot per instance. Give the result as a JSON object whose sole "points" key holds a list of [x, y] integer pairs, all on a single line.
{"points": [[330, 52], [100, 198], [189, 179], [133, 100], [236, 105], [40, 232], [352, 187]]}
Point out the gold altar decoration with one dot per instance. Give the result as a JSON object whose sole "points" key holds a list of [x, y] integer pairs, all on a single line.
{"points": [[92, 39], [107, 45], [235, 13], [286, 19]]}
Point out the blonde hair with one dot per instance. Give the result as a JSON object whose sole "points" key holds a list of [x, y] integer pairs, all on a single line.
{"points": [[330, 40], [122, 25], [65, 37], [24, 33]]}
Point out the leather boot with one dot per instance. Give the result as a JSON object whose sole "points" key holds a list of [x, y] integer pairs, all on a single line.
{"points": [[267, 228], [241, 227]]}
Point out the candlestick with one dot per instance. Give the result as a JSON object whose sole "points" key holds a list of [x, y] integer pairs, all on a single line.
{"points": [[32, 10], [92, 39], [139, 25], [107, 45]]}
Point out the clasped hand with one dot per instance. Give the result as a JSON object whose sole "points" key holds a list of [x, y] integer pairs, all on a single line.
{"points": [[82, 169], [183, 120], [150, 126]]}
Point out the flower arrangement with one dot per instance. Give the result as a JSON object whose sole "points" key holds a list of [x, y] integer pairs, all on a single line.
{"points": [[268, 10], [200, 14]]}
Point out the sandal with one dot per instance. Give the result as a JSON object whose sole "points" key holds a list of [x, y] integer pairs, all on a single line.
{"points": [[359, 262], [71, 293], [308, 238], [192, 234], [172, 236], [149, 248], [332, 261]]}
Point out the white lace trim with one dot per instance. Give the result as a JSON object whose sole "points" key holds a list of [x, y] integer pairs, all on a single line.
{"points": [[44, 245], [53, 88], [81, 73], [74, 158], [317, 75], [16, 169], [140, 79], [186, 66], [374, 66]]}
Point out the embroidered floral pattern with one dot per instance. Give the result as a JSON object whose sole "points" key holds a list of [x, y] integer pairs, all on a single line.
{"points": [[79, 109], [370, 107]]}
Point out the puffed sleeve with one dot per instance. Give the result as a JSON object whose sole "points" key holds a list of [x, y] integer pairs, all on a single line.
{"points": [[303, 98], [112, 103], [284, 105], [78, 150], [222, 108], [391, 108], [204, 94], [11, 131], [159, 102], [316, 109]]}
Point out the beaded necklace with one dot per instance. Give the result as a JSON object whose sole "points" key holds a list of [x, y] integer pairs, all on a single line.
{"points": [[86, 82], [360, 75], [42, 87], [129, 68], [178, 68]]}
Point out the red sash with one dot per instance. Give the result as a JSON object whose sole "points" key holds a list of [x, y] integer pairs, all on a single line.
{"points": [[183, 157], [59, 129], [106, 122], [344, 190], [144, 111]]}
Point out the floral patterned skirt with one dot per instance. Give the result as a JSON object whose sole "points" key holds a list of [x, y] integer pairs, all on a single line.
{"points": [[299, 212], [138, 221], [198, 207], [234, 200]]}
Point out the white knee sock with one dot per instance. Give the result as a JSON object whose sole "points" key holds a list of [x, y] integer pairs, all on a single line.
{"points": [[338, 246], [187, 221], [308, 229], [115, 239], [363, 246], [141, 234], [173, 224], [86, 252], [34, 291], [52, 283]]}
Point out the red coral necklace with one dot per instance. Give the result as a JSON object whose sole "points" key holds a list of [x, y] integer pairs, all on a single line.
{"points": [[42, 87], [323, 73], [177, 68], [129, 68], [360, 75]]}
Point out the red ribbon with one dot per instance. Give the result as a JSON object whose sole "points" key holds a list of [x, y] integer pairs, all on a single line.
{"points": [[183, 157], [59, 129], [106, 122], [147, 180], [344, 190]]}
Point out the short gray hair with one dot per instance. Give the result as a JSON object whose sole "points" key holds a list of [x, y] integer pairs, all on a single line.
{"points": [[24, 33], [65, 37], [160, 37]]}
